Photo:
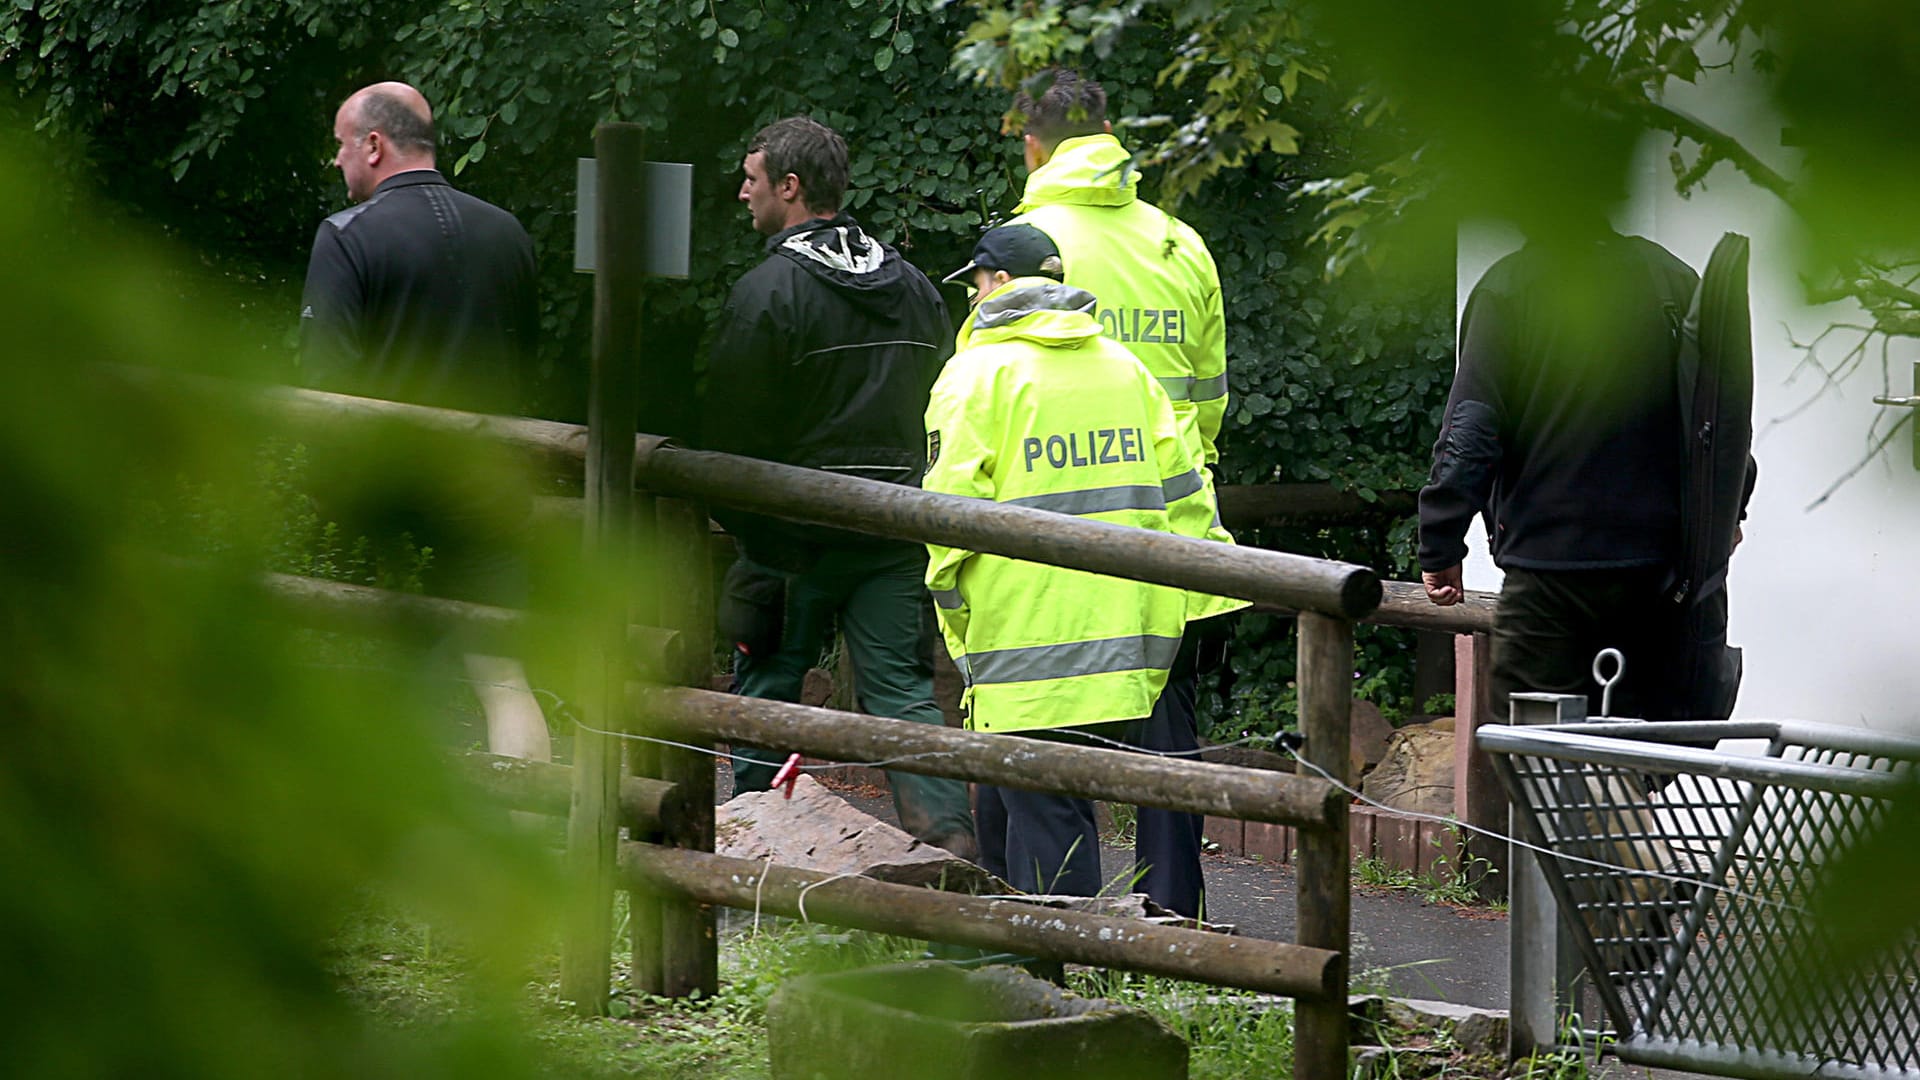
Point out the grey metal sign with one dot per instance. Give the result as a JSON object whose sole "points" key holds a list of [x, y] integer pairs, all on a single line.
{"points": [[669, 217]]}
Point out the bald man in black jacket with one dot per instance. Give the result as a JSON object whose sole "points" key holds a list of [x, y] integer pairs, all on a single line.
{"points": [[423, 294], [419, 292]]}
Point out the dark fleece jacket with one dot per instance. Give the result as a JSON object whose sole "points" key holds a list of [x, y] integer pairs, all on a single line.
{"points": [[1563, 427], [824, 359]]}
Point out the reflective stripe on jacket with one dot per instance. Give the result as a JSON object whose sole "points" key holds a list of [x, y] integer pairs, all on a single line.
{"points": [[1040, 410], [1157, 288]]}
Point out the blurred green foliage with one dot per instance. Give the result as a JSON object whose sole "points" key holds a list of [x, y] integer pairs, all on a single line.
{"points": [[188, 803], [192, 518]]}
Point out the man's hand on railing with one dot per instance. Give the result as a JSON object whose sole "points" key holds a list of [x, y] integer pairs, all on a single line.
{"points": [[1443, 586]]}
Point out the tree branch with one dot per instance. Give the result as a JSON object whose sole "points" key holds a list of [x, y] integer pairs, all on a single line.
{"points": [[1872, 452], [1668, 119]]}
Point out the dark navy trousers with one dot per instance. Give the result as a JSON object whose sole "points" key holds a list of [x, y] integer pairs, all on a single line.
{"points": [[1051, 844]]}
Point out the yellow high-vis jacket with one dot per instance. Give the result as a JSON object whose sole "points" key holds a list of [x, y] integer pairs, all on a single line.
{"points": [[1039, 410], [1158, 290]]}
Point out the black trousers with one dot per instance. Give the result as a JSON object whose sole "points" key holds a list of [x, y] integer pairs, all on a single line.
{"points": [[1549, 625], [1040, 843], [1166, 843]]}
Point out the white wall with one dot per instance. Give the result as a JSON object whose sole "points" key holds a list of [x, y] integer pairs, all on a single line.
{"points": [[1825, 602]]}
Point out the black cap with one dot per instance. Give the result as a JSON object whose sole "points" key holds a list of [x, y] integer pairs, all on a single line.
{"points": [[1020, 250]]}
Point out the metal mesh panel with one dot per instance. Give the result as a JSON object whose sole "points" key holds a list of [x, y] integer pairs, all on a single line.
{"points": [[1735, 978]]}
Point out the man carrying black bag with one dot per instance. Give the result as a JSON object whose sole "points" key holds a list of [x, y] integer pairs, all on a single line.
{"points": [[1600, 420]]}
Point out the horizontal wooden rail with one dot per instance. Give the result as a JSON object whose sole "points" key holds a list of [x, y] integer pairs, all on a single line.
{"points": [[1272, 967], [1193, 787], [1342, 590], [1242, 506], [539, 787], [334, 605], [1405, 603]]}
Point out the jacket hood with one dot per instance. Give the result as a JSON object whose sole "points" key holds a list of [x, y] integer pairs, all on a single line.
{"points": [[1034, 309], [1091, 170], [843, 257]]}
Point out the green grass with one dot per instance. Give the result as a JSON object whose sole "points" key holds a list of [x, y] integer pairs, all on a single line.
{"points": [[1231, 1033], [1444, 883], [1433, 887], [1123, 819], [411, 978], [1572, 1060], [408, 976]]}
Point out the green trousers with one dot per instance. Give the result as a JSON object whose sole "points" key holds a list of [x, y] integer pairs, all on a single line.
{"points": [[878, 597]]}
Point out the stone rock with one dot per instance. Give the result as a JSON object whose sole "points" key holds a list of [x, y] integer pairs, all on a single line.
{"points": [[818, 830], [1417, 772], [1475, 1031], [816, 688], [936, 1022], [1370, 733]]}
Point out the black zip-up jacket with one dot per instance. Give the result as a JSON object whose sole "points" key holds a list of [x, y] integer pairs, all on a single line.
{"points": [[423, 294], [1563, 426], [825, 356]]}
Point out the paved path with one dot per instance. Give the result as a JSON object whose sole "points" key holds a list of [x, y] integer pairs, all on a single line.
{"points": [[1401, 944]]}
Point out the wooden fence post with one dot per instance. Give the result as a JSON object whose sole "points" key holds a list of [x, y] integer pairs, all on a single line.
{"points": [[645, 919], [613, 401], [689, 932], [1478, 799], [1324, 676]]}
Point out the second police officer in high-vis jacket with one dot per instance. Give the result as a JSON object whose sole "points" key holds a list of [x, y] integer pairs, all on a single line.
{"points": [[1159, 295], [1038, 409]]}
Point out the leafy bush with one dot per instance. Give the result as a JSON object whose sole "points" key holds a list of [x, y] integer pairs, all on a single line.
{"points": [[189, 802]]}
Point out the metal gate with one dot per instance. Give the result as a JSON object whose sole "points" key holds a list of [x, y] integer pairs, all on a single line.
{"points": [[1686, 877]]}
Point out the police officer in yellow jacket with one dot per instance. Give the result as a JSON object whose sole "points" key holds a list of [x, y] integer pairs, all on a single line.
{"points": [[1038, 409], [1159, 295]]}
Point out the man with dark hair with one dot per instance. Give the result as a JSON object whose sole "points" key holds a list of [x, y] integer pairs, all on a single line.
{"points": [[424, 294], [1158, 294], [824, 358], [812, 153], [1070, 107]]}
